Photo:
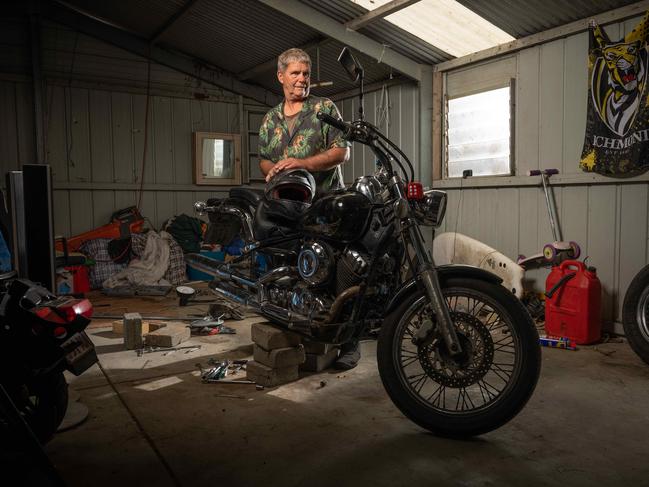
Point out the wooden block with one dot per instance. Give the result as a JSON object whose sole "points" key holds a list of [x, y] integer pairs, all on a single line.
{"points": [[171, 335], [147, 326], [270, 337], [269, 377], [132, 331], [319, 362], [316, 348], [279, 357]]}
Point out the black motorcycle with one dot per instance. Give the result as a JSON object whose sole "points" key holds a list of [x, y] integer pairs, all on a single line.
{"points": [[635, 314], [457, 352], [41, 336]]}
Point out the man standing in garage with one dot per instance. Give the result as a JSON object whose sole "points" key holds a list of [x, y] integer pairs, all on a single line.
{"points": [[292, 137]]}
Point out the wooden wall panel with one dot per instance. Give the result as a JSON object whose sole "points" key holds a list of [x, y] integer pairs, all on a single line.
{"points": [[551, 105], [122, 142], [25, 127], [575, 95], [506, 215], [165, 202], [81, 214], [57, 136], [8, 134], [162, 140], [103, 206], [80, 162], [182, 141], [633, 236], [140, 131], [61, 210], [527, 111], [101, 148], [602, 241]]}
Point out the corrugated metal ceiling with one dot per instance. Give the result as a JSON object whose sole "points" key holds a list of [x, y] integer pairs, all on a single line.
{"points": [[237, 35], [523, 18]]}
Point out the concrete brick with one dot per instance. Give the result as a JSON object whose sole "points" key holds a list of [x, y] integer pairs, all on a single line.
{"points": [[270, 337], [279, 357], [269, 377], [147, 326], [319, 362], [316, 347], [171, 335], [132, 331]]}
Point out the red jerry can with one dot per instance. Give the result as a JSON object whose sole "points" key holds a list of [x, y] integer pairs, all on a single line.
{"points": [[573, 303]]}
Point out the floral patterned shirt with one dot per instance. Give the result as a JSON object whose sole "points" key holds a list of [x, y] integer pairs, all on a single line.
{"points": [[310, 136]]}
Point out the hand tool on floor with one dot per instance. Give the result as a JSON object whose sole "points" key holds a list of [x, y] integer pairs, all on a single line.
{"points": [[217, 381], [144, 350]]}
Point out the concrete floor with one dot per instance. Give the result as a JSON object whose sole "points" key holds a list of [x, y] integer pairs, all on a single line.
{"points": [[587, 424]]}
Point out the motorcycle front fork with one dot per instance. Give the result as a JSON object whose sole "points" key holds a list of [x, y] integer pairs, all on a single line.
{"points": [[427, 273]]}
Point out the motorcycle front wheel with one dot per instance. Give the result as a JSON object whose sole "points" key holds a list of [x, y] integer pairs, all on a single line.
{"points": [[480, 389], [635, 314]]}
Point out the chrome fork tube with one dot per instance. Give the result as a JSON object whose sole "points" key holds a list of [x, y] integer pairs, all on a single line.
{"points": [[430, 278], [427, 271]]}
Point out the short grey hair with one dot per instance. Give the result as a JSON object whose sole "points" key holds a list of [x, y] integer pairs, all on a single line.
{"points": [[293, 55]]}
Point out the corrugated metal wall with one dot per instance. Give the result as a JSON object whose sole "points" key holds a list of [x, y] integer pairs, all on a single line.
{"points": [[607, 217], [395, 111], [96, 127]]}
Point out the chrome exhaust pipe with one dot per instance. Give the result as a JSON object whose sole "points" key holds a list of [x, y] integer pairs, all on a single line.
{"points": [[234, 294]]}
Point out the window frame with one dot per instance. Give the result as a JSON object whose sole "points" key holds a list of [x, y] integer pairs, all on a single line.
{"points": [[511, 83], [197, 159]]}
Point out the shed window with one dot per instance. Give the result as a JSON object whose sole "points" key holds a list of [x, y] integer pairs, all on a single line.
{"points": [[479, 133]]}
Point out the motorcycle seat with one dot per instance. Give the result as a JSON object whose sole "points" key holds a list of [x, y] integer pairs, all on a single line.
{"points": [[266, 226], [249, 195]]}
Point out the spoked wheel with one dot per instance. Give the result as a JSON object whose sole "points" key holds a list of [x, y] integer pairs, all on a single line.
{"points": [[481, 388], [635, 314]]}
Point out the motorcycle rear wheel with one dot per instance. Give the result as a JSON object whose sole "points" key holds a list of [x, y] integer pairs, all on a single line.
{"points": [[483, 388], [43, 404], [635, 314]]}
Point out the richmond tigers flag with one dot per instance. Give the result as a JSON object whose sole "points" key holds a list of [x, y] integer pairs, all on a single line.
{"points": [[617, 128]]}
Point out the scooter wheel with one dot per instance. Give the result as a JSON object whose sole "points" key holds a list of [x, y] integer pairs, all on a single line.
{"points": [[549, 252], [575, 250]]}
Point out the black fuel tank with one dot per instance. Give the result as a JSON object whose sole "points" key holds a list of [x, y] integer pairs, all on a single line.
{"points": [[342, 216]]}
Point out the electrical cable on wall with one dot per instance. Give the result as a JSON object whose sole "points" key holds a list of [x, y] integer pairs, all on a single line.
{"points": [[68, 103]]}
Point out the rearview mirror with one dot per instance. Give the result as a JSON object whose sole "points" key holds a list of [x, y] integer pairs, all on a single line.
{"points": [[353, 67]]}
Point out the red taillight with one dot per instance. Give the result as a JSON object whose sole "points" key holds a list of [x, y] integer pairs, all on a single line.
{"points": [[64, 312], [415, 191], [48, 314]]}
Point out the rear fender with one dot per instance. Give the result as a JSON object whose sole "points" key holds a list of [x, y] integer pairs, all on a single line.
{"points": [[445, 272]]}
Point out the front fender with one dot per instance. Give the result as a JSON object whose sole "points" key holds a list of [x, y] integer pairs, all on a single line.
{"points": [[444, 272]]}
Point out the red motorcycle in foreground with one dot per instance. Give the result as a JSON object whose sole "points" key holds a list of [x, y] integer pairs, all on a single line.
{"points": [[41, 336]]}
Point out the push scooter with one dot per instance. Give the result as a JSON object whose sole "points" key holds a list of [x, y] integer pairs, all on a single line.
{"points": [[557, 251]]}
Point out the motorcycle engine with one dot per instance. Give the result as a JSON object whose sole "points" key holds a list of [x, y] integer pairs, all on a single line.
{"points": [[308, 303], [314, 263], [350, 270]]}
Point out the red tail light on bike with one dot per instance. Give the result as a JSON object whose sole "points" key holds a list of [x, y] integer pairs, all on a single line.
{"points": [[415, 191], [64, 311]]}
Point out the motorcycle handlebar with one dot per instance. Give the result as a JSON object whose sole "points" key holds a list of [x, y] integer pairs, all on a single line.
{"points": [[339, 124]]}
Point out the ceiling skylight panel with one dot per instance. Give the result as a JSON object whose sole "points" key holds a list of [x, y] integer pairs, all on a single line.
{"points": [[446, 24]]}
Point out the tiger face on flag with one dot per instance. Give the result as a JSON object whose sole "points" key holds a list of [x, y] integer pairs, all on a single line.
{"points": [[617, 130]]}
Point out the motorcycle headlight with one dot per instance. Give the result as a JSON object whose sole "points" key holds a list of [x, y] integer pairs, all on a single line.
{"points": [[431, 209]]}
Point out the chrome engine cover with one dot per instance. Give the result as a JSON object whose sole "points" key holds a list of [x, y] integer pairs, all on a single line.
{"points": [[308, 304], [314, 263]]}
